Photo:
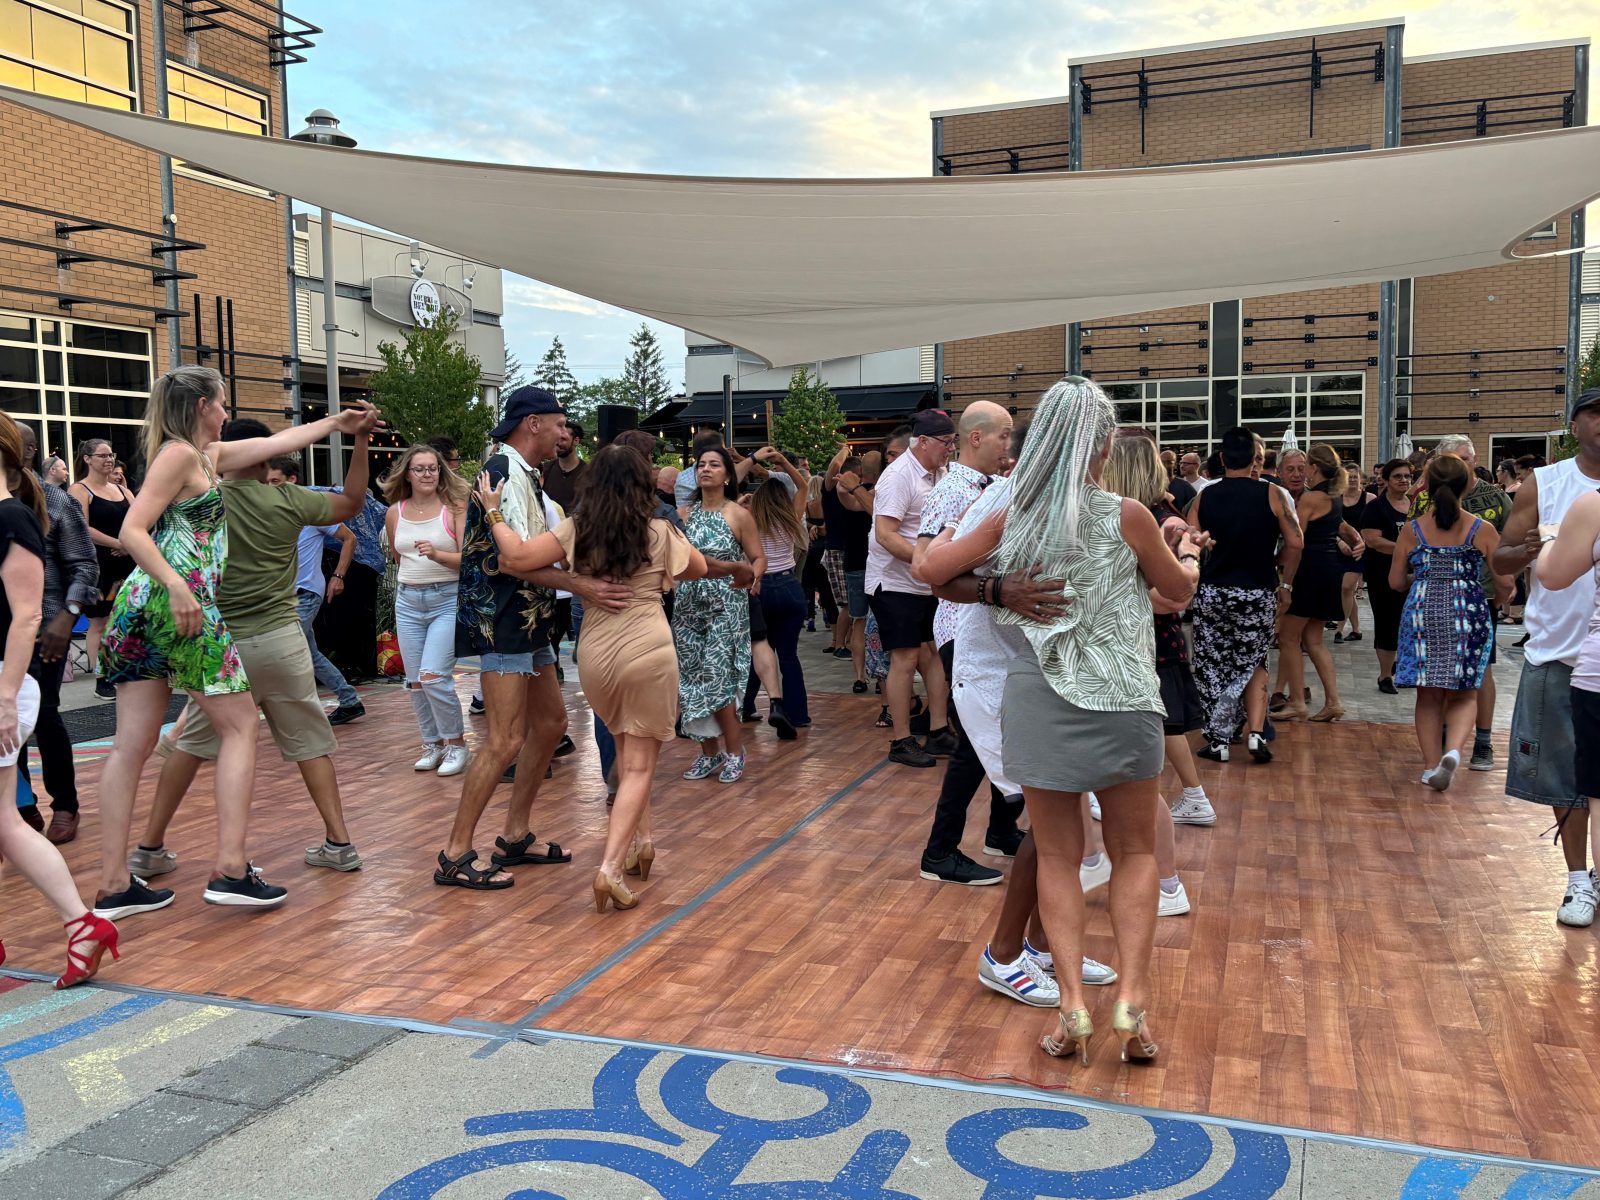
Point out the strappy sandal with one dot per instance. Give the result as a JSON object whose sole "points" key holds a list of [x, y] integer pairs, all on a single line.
{"points": [[520, 853], [88, 938], [459, 872]]}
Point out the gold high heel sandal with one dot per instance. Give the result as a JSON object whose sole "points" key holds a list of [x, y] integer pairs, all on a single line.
{"points": [[640, 859], [613, 890], [1289, 712], [1073, 1029], [1128, 1024], [1330, 712]]}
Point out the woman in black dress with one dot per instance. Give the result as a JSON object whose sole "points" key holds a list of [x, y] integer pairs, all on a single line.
{"points": [[105, 504], [1356, 499], [1381, 522], [1317, 590]]}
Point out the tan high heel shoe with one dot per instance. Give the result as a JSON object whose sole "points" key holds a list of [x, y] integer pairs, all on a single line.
{"points": [[1128, 1024], [1289, 712], [1073, 1029], [613, 890], [640, 859], [1329, 712]]}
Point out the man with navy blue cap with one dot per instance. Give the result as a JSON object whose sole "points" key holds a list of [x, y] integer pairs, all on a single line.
{"points": [[505, 621]]}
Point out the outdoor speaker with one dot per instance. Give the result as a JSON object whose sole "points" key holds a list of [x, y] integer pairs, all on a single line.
{"points": [[612, 419]]}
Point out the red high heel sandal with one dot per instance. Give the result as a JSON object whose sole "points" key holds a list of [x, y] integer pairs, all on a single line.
{"points": [[99, 935]]}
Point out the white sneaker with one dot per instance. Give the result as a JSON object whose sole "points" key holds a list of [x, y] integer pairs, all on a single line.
{"points": [[1439, 777], [1022, 980], [1094, 806], [1046, 960], [1577, 909], [1173, 904], [1098, 875], [705, 766], [1194, 812], [1097, 974], [432, 756], [455, 761]]}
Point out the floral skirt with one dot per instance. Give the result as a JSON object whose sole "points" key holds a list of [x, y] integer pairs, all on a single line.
{"points": [[1233, 629], [142, 642]]}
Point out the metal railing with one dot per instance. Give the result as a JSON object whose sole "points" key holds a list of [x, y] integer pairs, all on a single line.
{"points": [[1014, 160]]}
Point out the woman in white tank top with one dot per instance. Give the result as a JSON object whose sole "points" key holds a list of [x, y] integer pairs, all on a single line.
{"points": [[427, 511]]}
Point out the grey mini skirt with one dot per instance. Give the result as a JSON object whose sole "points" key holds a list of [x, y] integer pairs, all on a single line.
{"points": [[1049, 743]]}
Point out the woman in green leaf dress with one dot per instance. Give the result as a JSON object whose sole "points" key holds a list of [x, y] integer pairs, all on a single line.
{"points": [[711, 622], [165, 630]]}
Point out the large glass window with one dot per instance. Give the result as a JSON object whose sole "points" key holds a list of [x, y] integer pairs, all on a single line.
{"points": [[1177, 411], [76, 49], [200, 99], [75, 379], [1319, 408]]}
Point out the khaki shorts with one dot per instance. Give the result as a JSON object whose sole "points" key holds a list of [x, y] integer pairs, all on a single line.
{"points": [[284, 685]]}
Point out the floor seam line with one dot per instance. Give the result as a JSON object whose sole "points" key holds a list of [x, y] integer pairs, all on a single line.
{"points": [[571, 991]]}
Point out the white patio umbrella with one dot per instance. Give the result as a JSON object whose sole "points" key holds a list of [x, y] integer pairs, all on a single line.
{"points": [[1289, 442], [1403, 446]]}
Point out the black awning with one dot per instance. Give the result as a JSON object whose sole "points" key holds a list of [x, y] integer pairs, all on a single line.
{"points": [[664, 418], [889, 402]]}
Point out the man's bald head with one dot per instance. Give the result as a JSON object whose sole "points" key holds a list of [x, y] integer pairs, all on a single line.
{"points": [[984, 436]]}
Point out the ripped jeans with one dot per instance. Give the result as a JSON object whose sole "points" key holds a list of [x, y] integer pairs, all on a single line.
{"points": [[425, 623]]}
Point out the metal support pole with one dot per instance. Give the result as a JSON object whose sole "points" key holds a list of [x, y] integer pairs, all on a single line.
{"points": [[1386, 370], [330, 333], [727, 411], [169, 202], [1575, 346], [288, 253]]}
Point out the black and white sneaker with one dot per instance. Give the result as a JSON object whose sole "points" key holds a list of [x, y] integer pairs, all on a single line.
{"points": [[476, 708], [1216, 752], [565, 747], [250, 892], [104, 690], [958, 868], [135, 898], [346, 713]]}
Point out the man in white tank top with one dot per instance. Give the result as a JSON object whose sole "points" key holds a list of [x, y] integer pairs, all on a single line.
{"points": [[1541, 764]]}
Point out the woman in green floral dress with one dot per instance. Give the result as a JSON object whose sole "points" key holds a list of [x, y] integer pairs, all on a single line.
{"points": [[711, 622], [165, 630]]}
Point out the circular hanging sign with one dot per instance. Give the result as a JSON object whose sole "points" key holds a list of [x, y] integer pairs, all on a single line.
{"points": [[424, 301]]}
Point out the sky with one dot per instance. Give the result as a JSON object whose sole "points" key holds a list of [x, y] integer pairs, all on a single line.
{"points": [[761, 88]]}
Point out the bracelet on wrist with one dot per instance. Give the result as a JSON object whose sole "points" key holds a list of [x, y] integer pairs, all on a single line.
{"points": [[994, 591], [495, 517]]}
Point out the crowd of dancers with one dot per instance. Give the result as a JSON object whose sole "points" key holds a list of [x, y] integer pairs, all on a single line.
{"points": [[1077, 604]]}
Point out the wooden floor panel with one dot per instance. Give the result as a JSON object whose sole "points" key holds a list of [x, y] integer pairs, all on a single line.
{"points": [[1364, 956]]}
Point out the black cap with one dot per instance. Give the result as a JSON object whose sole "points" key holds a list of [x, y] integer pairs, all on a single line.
{"points": [[1587, 400], [526, 401], [932, 422]]}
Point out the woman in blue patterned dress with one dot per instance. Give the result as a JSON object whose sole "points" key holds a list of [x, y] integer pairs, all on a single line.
{"points": [[711, 621], [1446, 626]]}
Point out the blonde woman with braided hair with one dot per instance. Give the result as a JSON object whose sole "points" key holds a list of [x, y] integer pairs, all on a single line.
{"points": [[1083, 712]]}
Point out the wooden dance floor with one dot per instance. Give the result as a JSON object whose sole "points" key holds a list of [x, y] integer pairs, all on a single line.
{"points": [[1364, 956]]}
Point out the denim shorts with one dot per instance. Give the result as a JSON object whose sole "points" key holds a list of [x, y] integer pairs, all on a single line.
{"points": [[518, 664], [855, 586], [1542, 767]]}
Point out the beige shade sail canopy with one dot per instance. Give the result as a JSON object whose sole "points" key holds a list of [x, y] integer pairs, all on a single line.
{"points": [[797, 270]]}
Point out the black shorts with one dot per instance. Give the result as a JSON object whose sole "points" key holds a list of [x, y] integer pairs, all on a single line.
{"points": [[1586, 748], [905, 619], [1180, 698]]}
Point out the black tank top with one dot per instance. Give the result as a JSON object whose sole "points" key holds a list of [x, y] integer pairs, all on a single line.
{"points": [[106, 516], [1322, 534], [1238, 515]]}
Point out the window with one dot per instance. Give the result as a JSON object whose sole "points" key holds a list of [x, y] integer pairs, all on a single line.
{"points": [[1319, 408], [75, 379], [76, 49], [1177, 411], [200, 99]]}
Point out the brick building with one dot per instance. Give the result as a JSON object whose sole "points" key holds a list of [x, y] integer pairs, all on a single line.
{"points": [[1489, 352], [114, 263]]}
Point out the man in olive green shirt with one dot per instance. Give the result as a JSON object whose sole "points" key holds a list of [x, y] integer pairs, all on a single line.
{"points": [[257, 601]]}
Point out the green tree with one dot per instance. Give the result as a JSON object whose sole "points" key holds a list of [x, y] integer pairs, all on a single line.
{"points": [[643, 374], [587, 397], [554, 375], [1588, 377], [428, 386], [516, 376], [808, 424]]}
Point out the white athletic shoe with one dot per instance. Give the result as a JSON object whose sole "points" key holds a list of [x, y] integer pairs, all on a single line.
{"points": [[1098, 875], [1094, 806], [1173, 904], [1577, 909], [1023, 980], [1095, 974], [455, 760], [1194, 812], [432, 756], [1439, 777]]}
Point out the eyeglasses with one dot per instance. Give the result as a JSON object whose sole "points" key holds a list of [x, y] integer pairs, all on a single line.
{"points": [[103, 454], [949, 443], [424, 470]]}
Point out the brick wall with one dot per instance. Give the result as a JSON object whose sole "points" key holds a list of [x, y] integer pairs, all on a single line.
{"points": [[59, 166]]}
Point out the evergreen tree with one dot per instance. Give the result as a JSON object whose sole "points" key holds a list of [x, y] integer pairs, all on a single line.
{"points": [[808, 424], [554, 375], [643, 375], [428, 386], [516, 376], [1588, 377]]}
